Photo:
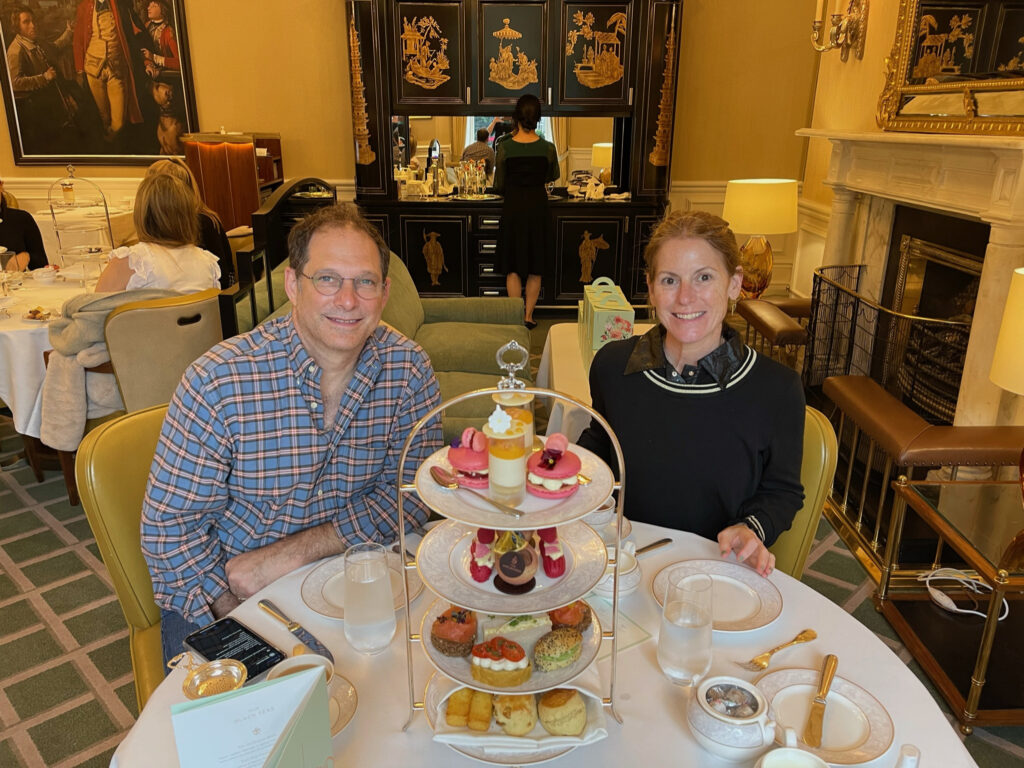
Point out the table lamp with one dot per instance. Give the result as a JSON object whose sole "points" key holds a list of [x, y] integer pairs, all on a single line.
{"points": [[601, 158], [759, 207], [1008, 361]]}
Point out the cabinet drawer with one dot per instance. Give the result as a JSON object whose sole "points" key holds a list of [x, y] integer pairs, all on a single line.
{"points": [[492, 290], [487, 248], [487, 222], [488, 269]]}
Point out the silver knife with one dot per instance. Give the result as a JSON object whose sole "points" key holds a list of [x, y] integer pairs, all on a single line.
{"points": [[812, 731], [296, 629]]}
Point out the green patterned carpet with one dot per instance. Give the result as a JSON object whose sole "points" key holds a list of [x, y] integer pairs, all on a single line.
{"points": [[66, 694]]}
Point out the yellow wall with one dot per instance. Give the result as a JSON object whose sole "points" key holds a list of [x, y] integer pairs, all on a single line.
{"points": [[275, 65], [847, 94], [746, 76]]}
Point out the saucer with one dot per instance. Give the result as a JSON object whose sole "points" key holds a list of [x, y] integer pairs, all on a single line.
{"points": [[342, 701]]}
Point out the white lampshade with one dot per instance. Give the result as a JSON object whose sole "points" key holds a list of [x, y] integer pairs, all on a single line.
{"points": [[1008, 361], [761, 206], [601, 155]]}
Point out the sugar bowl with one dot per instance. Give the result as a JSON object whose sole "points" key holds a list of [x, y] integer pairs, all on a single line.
{"points": [[729, 718]]}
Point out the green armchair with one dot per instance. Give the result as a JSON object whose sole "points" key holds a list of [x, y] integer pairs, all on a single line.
{"points": [[461, 336]]}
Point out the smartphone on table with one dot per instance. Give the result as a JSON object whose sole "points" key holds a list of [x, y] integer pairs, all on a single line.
{"points": [[228, 638]]}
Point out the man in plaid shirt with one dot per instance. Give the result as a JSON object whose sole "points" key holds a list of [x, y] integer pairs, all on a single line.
{"points": [[281, 446]]}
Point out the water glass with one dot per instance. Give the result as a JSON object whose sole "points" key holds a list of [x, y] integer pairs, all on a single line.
{"points": [[684, 644], [369, 603]]}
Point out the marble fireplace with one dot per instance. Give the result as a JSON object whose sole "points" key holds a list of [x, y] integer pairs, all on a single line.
{"points": [[976, 178]]}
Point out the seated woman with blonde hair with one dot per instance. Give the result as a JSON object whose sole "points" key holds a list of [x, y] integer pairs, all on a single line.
{"points": [[211, 231], [167, 221]]}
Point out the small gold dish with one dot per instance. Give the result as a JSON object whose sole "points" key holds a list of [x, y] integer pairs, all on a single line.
{"points": [[213, 677]]}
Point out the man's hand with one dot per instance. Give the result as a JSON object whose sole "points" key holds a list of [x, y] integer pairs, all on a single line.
{"points": [[744, 542], [251, 571], [49, 74]]}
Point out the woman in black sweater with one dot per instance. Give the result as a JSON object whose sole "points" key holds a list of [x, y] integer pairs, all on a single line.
{"points": [[711, 432]]}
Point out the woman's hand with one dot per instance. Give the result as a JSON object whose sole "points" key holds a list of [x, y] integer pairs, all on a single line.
{"points": [[744, 542]]}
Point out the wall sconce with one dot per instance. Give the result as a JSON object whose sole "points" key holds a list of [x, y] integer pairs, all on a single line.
{"points": [[601, 158], [848, 29]]}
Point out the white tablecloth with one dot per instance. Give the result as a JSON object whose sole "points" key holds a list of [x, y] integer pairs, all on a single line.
{"points": [[561, 369], [22, 343], [654, 731], [121, 225]]}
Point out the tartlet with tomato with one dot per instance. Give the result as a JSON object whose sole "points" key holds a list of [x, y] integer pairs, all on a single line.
{"points": [[500, 663]]}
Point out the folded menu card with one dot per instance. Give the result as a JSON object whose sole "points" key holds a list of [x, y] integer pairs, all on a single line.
{"points": [[282, 722]]}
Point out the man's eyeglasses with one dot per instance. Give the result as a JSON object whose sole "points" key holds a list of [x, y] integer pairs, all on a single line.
{"points": [[328, 284]]}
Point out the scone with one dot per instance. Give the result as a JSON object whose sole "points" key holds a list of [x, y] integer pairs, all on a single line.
{"points": [[563, 712], [517, 715]]}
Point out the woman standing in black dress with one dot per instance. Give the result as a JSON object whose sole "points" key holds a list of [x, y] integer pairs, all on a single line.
{"points": [[523, 165]]}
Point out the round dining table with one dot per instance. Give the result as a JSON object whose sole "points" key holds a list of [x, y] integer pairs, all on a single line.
{"points": [[654, 729], [23, 341]]}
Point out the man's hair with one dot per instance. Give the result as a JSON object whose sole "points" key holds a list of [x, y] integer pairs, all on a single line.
{"points": [[166, 212], [178, 168], [696, 225], [340, 216], [16, 17], [482, 134]]}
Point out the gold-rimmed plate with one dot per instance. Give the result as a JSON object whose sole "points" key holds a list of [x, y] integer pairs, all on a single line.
{"points": [[742, 600]]}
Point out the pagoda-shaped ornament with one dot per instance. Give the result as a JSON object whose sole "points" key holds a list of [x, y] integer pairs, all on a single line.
{"points": [[360, 120]]}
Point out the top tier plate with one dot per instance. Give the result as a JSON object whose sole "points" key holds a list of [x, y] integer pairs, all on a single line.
{"points": [[537, 512]]}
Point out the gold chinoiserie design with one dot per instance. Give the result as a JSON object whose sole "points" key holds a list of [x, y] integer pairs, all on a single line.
{"points": [[434, 254], [504, 69], [662, 136], [600, 63], [588, 255], [937, 52], [360, 120], [424, 66]]}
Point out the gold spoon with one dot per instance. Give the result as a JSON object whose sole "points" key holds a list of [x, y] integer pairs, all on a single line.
{"points": [[446, 479]]}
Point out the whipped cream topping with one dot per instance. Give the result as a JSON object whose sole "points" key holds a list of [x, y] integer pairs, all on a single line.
{"points": [[501, 665], [499, 421], [552, 483]]}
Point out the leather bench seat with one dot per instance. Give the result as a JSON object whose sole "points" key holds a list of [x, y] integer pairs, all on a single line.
{"points": [[794, 306], [778, 328], [879, 415]]}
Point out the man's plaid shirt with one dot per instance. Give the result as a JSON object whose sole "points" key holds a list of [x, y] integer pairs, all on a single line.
{"points": [[244, 458]]}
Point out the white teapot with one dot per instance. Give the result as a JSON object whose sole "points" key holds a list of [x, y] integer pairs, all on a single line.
{"points": [[729, 718]]}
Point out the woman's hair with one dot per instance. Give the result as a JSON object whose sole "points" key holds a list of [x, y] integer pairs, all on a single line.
{"points": [[527, 112], [178, 168], [698, 225], [166, 211]]}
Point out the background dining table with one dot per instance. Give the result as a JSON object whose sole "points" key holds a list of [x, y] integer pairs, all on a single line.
{"points": [[122, 228], [654, 731], [22, 343]]}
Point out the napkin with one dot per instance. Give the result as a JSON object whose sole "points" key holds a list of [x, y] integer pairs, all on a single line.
{"points": [[497, 741]]}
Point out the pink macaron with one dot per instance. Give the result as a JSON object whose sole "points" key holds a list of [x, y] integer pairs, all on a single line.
{"points": [[566, 466], [469, 458]]}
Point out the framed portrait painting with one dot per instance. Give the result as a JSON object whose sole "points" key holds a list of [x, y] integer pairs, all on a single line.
{"points": [[101, 82]]}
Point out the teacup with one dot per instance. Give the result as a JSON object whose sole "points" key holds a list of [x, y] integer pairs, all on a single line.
{"points": [[729, 718], [790, 757], [45, 274], [303, 661], [601, 516]]}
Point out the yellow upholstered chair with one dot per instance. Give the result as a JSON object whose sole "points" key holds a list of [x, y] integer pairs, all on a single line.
{"points": [[112, 468], [816, 473], [151, 343]]}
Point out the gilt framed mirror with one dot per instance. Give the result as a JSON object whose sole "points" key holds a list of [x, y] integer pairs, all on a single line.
{"points": [[956, 66]]}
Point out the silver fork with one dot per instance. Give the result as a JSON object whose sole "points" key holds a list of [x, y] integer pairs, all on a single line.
{"points": [[760, 662]]}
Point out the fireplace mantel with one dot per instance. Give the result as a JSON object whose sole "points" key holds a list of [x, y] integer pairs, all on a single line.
{"points": [[977, 177], [980, 177]]}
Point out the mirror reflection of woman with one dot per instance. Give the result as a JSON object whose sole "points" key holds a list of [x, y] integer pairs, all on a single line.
{"points": [[711, 431], [523, 164]]}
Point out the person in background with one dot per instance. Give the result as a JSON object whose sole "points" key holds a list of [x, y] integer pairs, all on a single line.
{"points": [[480, 150], [711, 432], [281, 446], [212, 237], [524, 163], [19, 233], [166, 219]]}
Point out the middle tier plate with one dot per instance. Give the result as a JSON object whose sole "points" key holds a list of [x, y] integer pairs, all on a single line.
{"points": [[443, 563], [537, 512]]}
